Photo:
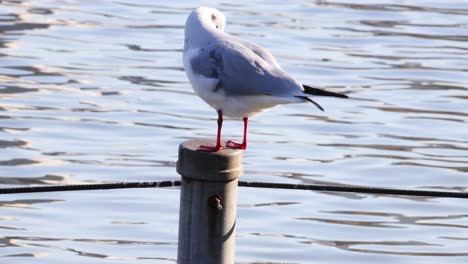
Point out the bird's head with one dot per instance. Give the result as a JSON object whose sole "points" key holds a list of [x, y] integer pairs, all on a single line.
{"points": [[209, 18]]}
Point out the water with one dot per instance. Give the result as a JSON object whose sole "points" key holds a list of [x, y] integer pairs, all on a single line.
{"points": [[94, 91]]}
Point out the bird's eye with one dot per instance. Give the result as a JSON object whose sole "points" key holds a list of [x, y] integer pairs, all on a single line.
{"points": [[217, 26]]}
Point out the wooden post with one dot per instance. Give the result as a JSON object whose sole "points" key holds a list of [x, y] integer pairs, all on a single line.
{"points": [[208, 203]]}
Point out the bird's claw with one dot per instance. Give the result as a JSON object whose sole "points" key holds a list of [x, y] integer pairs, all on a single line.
{"points": [[234, 145]]}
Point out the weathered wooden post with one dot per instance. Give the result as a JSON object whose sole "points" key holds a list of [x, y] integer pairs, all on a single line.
{"points": [[208, 203]]}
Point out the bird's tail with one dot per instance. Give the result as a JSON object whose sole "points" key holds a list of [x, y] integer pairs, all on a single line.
{"points": [[320, 92], [311, 101]]}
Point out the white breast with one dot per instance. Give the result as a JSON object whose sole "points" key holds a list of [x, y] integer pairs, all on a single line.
{"points": [[203, 86]]}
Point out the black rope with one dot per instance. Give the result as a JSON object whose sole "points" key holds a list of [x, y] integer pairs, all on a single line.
{"points": [[356, 189], [291, 186], [86, 187]]}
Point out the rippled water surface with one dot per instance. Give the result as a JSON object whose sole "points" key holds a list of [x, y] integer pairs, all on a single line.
{"points": [[95, 91]]}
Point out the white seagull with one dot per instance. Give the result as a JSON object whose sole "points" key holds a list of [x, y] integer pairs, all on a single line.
{"points": [[234, 76]]}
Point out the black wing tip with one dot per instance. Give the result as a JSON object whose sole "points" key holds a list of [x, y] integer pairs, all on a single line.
{"points": [[320, 92], [312, 101]]}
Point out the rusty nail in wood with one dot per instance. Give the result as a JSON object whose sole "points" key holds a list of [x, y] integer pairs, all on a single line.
{"points": [[215, 202]]}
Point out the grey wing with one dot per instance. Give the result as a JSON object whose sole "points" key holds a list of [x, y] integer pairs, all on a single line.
{"points": [[259, 50], [240, 71]]}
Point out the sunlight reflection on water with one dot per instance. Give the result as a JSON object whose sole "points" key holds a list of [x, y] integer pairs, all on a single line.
{"points": [[95, 92]]}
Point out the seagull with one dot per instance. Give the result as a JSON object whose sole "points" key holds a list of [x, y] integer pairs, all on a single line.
{"points": [[236, 77]]}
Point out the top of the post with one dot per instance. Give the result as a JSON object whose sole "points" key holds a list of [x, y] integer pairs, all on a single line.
{"points": [[224, 165]]}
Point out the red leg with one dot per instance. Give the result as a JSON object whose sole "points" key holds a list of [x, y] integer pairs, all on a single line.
{"points": [[218, 137], [232, 144]]}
